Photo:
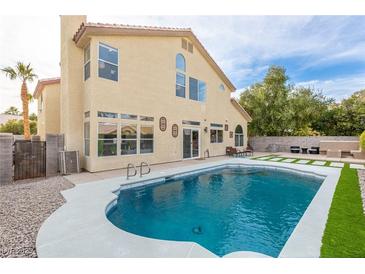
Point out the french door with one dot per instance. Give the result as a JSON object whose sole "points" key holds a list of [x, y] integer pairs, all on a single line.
{"points": [[191, 143]]}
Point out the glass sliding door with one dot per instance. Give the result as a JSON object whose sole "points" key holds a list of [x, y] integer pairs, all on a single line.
{"points": [[191, 143], [195, 143]]}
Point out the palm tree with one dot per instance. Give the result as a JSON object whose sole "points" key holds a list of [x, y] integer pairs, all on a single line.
{"points": [[25, 74], [12, 111]]}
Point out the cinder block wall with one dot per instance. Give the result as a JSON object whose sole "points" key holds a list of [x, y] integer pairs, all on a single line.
{"points": [[6, 158], [283, 143]]}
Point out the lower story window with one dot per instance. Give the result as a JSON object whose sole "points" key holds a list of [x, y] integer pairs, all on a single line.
{"points": [[146, 139], [107, 139], [128, 143], [238, 136], [87, 138], [216, 136]]}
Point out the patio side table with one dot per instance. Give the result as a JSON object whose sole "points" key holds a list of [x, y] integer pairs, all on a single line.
{"points": [[304, 150]]}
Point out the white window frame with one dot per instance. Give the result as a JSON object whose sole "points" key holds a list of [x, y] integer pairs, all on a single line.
{"points": [[87, 121], [216, 136], [239, 135], [198, 86], [87, 62], [100, 44], [97, 136], [140, 139], [129, 139]]}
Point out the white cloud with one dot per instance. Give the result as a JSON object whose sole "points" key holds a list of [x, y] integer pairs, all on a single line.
{"points": [[244, 46], [338, 88]]}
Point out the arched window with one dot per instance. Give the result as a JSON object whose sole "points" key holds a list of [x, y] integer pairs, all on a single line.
{"points": [[180, 62], [238, 136], [180, 75]]}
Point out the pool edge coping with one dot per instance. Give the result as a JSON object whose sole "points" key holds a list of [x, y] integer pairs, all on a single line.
{"points": [[107, 245]]}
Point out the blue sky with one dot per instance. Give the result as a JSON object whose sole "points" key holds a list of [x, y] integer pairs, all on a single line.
{"points": [[323, 52]]}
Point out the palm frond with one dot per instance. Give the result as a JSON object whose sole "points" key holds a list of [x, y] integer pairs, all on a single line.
{"points": [[9, 72], [25, 72]]}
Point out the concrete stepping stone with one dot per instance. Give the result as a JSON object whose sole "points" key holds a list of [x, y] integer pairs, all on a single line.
{"points": [[357, 166], [337, 164], [276, 159], [319, 163], [288, 160], [302, 162]]}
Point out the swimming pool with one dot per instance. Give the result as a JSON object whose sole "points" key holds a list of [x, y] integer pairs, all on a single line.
{"points": [[226, 209]]}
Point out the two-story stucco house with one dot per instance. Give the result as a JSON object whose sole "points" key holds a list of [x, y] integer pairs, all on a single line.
{"points": [[129, 94]]}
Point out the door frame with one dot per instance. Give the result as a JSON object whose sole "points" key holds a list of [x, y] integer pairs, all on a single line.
{"points": [[191, 146]]}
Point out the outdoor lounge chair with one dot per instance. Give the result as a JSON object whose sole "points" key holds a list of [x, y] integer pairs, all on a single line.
{"points": [[313, 150], [295, 149]]}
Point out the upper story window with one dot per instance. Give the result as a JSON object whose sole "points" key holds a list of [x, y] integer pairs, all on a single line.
{"points": [[180, 62], [221, 87], [40, 103], [108, 62], [86, 62], [197, 90], [180, 75]]}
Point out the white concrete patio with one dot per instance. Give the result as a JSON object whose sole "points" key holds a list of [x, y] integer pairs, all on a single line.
{"points": [[80, 227]]}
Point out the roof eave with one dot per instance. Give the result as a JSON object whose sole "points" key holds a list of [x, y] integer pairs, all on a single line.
{"points": [[241, 110], [42, 83]]}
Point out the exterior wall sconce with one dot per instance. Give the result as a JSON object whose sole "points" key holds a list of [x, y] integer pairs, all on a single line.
{"points": [[206, 129]]}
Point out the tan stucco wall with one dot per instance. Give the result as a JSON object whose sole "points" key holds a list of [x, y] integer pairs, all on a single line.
{"points": [[146, 86], [71, 84], [49, 114]]}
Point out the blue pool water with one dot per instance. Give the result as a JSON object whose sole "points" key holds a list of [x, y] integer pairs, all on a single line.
{"points": [[224, 210]]}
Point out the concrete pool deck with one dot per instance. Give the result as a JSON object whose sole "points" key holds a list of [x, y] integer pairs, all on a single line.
{"points": [[80, 227]]}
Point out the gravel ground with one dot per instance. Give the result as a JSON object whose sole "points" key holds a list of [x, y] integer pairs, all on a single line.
{"points": [[24, 205], [361, 174]]}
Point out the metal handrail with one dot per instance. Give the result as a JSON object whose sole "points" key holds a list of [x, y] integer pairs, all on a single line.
{"points": [[130, 165], [140, 169]]}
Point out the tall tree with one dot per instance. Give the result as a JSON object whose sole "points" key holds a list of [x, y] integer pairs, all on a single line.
{"points": [[25, 74], [267, 102], [12, 111]]}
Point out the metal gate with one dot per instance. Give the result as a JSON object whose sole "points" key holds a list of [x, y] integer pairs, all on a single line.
{"points": [[29, 159]]}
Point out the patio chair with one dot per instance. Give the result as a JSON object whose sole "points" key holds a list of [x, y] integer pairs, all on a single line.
{"points": [[295, 149], [313, 150], [248, 151], [232, 151]]}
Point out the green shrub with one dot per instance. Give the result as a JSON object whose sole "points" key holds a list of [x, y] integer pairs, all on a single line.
{"points": [[362, 141], [16, 127]]}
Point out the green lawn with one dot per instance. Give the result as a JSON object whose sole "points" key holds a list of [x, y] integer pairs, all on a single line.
{"points": [[344, 235]]}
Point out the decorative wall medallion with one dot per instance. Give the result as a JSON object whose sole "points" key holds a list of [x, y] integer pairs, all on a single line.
{"points": [[226, 127], [175, 130], [163, 123], [231, 134]]}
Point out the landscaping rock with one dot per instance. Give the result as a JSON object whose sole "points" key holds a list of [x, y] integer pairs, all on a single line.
{"points": [[24, 206]]}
